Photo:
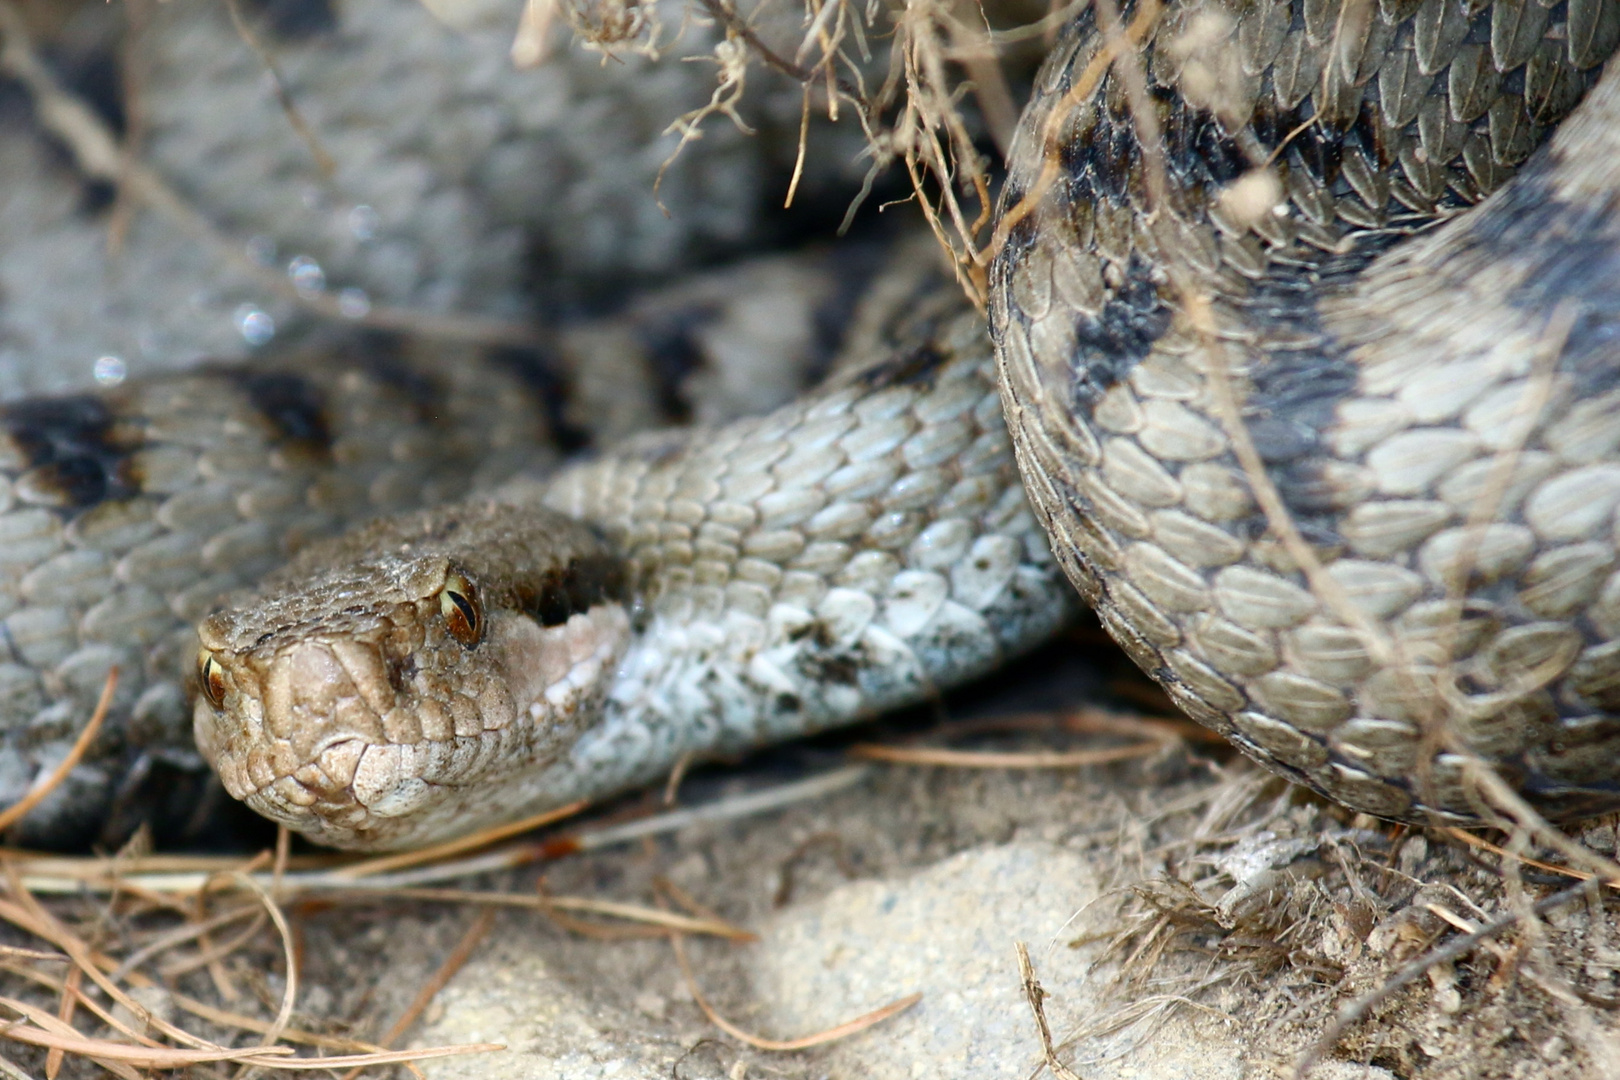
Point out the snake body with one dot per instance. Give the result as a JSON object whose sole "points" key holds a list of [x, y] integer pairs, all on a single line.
{"points": [[855, 550], [1338, 469], [1339, 472], [126, 515]]}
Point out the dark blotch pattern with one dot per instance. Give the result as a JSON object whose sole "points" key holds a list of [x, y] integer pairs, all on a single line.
{"points": [[913, 367], [1574, 254], [539, 371], [674, 354], [1109, 344], [294, 407], [379, 356], [77, 453], [1295, 391], [295, 20], [586, 581]]}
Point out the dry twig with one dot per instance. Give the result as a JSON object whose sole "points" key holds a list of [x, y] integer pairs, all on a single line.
{"points": [[820, 1038], [1035, 995], [1352, 1012]]}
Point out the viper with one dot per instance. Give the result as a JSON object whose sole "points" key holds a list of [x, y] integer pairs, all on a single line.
{"points": [[1305, 351]]}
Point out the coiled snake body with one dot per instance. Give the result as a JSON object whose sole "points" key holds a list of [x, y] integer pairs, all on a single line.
{"points": [[1339, 473]]}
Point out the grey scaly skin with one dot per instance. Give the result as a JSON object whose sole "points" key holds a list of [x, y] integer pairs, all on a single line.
{"points": [[1429, 395], [856, 550], [126, 515]]}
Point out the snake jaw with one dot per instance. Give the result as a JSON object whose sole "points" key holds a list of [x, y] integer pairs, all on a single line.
{"points": [[355, 707], [322, 742]]}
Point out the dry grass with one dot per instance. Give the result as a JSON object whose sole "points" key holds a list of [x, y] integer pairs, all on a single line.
{"points": [[923, 79], [102, 922]]}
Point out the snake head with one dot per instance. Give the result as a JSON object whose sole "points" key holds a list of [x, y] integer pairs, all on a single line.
{"points": [[406, 683]]}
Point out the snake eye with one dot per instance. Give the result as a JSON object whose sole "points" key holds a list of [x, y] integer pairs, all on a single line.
{"points": [[211, 677], [463, 614]]}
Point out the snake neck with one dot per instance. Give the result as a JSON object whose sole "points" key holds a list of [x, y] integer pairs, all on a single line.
{"points": [[861, 549], [692, 594]]}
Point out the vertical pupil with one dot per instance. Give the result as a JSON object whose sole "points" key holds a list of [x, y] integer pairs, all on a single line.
{"points": [[462, 615], [213, 682], [464, 608]]}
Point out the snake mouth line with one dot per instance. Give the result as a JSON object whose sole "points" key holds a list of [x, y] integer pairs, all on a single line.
{"points": [[355, 786], [401, 765]]}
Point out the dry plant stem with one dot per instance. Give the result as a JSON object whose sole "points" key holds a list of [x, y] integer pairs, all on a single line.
{"points": [[64, 1012], [289, 108], [165, 876], [26, 914], [1501, 795], [731, 808], [677, 773], [1035, 995], [111, 1054], [290, 993], [684, 899], [1463, 836], [529, 45], [97, 153], [1353, 1011], [137, 17], [1165, 728], [211, 954], [278, 865], [453, 963], [118, 1056], [723, 13], [223, 984], [439, 852], [63, 985], [876, 1016], [974, 49], [804, 142], [930, 111], [975, 759], [61, 1027], [594, 931], [1046, 26], [16, 953], [180, 935], [202, 1010], [663, 920], [224, 1018], [19, 810], [1148, 1014]]}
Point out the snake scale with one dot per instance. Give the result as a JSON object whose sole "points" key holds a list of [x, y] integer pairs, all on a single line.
{"points": [[1332, 454]]}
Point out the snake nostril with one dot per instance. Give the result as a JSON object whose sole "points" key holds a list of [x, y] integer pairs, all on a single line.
{"points": [[401, 670]]}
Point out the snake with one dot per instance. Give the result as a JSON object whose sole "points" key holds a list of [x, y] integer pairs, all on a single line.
{"points": [[1298, 344], [1336, 465]]}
